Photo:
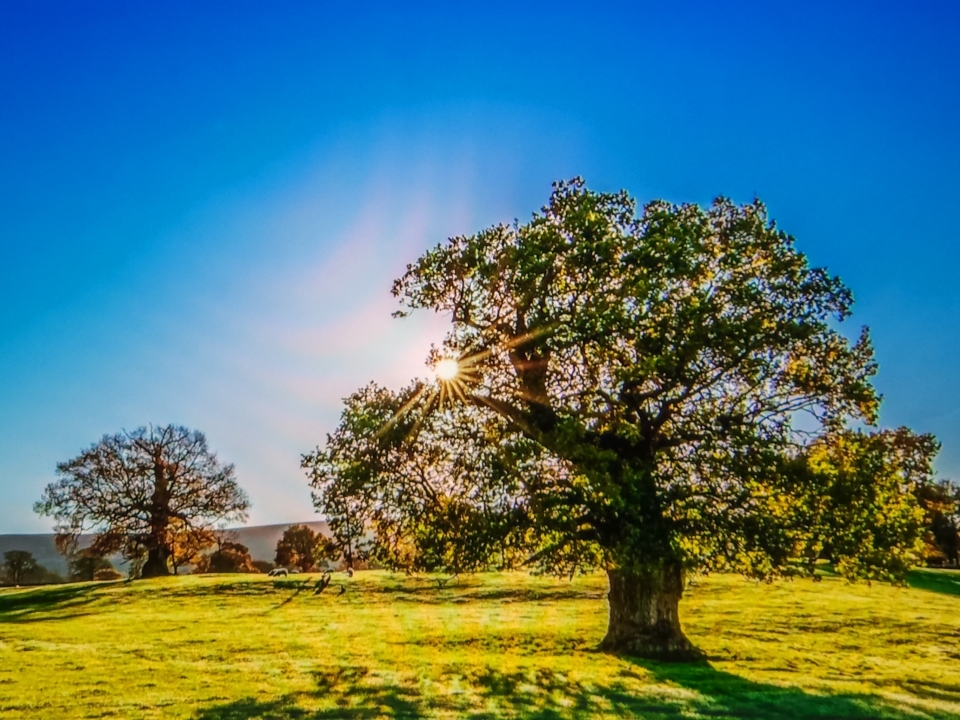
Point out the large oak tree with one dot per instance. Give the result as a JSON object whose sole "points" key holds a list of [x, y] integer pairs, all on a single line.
{"points": [[640, 390], [136, 491]]}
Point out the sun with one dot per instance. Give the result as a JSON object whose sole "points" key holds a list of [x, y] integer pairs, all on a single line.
{"points": [[455, 378], [447, 369]]}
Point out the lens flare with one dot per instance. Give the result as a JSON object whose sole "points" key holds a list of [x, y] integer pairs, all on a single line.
{"points": [[447, 369], [456, 376]]}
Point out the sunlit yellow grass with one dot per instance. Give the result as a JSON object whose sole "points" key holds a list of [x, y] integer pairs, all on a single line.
{"points": [[487, 646]]}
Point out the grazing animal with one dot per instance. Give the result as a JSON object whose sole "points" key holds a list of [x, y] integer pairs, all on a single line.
{"points": [[322, 583], [277, 572]]}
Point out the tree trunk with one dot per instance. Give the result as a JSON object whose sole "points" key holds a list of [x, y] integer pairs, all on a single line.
{"points": [[156, 564], [159, 551], [644, 614]]}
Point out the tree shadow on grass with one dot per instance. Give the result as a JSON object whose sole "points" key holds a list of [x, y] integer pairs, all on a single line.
{"points": [[421, 590], [642, 690], [432, 595], [228, 587], [348, 689], [723, 694], [46, 603], [946, 582]]}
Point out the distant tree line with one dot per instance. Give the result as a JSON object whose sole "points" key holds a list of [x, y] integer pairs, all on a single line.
{"points": [[300, 547], [21, 568]]}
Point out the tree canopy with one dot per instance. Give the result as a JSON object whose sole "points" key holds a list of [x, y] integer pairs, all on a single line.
{"points": [[139, 491], [84, 565], [187, 543], [941, 503], [229, 557], [645, 390], [855, 500], [302, 547], [18, 567]]}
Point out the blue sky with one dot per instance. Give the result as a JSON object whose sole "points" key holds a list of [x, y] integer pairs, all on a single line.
{"points": [[202, 206]]}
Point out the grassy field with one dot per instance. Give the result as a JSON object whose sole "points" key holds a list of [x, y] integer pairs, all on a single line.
{"points": [[498, 645]]}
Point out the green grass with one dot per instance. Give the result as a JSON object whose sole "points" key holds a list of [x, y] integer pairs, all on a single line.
{"points": [[497, 645], [942, 582]]}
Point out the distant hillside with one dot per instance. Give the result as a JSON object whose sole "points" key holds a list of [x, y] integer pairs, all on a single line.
{"points": [[41, 546], [261, 539]]}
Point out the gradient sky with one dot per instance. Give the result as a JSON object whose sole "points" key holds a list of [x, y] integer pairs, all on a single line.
{"points": [[202, 206]]}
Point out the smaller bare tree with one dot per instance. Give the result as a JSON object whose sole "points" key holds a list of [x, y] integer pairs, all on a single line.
{"points": [[138, 490]]}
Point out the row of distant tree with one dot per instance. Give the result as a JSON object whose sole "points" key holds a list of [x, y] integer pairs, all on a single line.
{"points": [[191, 540], [300, 548], [20, 567]]}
